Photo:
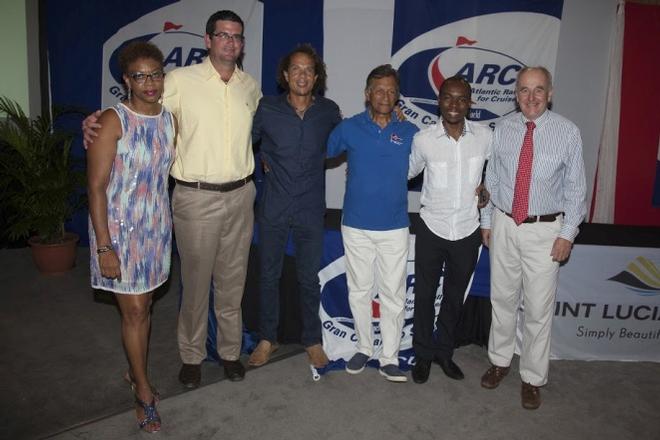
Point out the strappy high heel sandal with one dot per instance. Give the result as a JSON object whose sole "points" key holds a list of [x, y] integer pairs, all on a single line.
{"points": [[151, 421], [131, 383]]}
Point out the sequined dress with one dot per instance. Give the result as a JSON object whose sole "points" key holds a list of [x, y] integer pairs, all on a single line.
{"points": [[139, 218]]}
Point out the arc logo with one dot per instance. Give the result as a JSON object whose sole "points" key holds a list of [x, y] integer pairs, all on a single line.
{"points": [[640, 276], [180, 48], [483, 51]]}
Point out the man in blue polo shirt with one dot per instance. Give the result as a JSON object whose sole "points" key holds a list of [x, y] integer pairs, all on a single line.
{"points": [[375, 218]]}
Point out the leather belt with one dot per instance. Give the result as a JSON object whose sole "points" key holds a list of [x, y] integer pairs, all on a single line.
{"points": [[539, 218], [221, 187]]}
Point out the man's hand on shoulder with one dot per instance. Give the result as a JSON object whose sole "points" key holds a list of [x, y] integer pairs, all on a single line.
{"points": [[561, 249], [399, 113], [265, 165], [90, 127], [483, 196], [485, 237]]}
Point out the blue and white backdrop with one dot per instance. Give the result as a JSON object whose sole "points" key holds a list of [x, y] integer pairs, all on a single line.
{"points": [[427, 40]]}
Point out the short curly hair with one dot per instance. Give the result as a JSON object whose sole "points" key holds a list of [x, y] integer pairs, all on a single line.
{"points": [[137, 49], [319, 68], [459, 80]]}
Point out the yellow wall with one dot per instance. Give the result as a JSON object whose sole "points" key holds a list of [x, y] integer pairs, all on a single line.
{"points": [[13, 52]]}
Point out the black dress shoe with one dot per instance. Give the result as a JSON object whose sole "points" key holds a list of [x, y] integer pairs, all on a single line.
{"points": [[234, 370], [190, 375], [421, 370], [450, 368]]}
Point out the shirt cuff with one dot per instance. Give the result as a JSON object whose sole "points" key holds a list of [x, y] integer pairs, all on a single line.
{"points": [[486, 213], [568, 232]]}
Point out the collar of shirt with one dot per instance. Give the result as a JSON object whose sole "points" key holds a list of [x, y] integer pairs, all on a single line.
{"points": [[443, 131], [545, 116], [211, 73], [367, 120], [285, 103]]}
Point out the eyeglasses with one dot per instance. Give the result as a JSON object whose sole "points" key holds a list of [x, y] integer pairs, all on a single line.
{"points": [[141, 78], [224, 36]]}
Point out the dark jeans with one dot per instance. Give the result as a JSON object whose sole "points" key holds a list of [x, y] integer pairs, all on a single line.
{"points": [[308, 243], [459, 259]]}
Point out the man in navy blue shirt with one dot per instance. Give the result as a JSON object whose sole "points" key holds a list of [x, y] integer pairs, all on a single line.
{"points": [[293, 129], [375, 218]]}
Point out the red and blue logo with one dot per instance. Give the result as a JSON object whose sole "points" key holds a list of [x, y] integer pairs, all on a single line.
{"points": [[491, 73], [179, 46], [480, 49]]}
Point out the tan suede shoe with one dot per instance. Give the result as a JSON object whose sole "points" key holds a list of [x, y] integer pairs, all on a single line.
{"points": [[261, 354], [317, 356]]}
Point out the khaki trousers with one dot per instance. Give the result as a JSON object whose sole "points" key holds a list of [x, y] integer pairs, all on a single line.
{"points": [[521, 268], [213, 233]]}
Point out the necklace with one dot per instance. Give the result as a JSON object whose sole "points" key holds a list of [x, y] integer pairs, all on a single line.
{"points": [[461, 132], [300, 111], [149, 111]]}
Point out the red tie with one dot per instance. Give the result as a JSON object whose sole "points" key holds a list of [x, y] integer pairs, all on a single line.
{"points": [[523, 177]]}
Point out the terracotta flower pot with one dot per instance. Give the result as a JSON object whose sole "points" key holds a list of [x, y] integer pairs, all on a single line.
{"points": [[54, 258]]}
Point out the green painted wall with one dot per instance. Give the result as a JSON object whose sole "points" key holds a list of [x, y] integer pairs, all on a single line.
{"points": [[13, 52]]}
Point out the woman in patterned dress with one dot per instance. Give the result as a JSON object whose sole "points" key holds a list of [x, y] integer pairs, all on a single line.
{"points": [[130, 221]]}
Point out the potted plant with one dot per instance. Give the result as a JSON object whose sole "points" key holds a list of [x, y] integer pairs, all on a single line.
{"points": [[40, 185]]}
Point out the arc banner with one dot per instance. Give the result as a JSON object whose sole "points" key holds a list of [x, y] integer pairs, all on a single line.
{"points": [[485, 42], [427, 40]]}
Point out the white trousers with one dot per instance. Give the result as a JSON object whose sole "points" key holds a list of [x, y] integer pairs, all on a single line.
{"points": [[521, 268], [377, 259]]}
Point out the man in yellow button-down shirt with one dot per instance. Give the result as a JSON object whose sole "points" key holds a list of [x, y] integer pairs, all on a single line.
{"points": [[212, 203]]}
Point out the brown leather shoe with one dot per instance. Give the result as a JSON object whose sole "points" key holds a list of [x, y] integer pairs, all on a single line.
{"points": [[317, 356], [493, 376], [234, 370], [190, 375], [261, 354], [530, 396]]}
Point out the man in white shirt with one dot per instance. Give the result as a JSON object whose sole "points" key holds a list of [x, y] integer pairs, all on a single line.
{"points": [[453, 153]]}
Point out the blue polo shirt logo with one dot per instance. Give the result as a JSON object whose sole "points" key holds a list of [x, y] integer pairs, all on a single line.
{"points": [[396, 139]]}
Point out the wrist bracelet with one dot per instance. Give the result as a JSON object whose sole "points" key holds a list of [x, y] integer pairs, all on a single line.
{"points": [[104, 249]]}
